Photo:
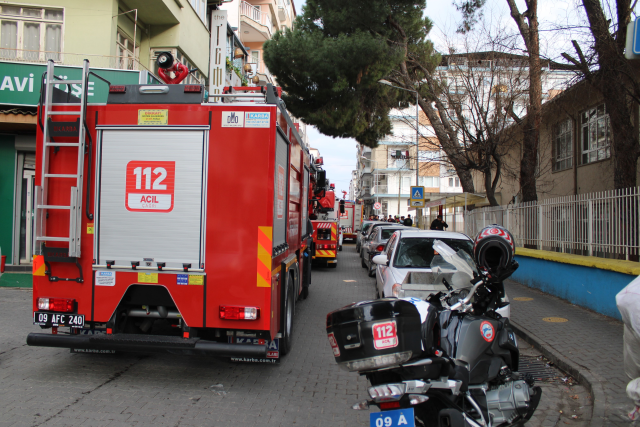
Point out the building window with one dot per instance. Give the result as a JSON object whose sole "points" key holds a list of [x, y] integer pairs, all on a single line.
{"points": [[454, 182], [450, 182], [596, 135], [457, 182], [430, 181], [200, 6], [563, 146], [30, 34], [124, 52]]}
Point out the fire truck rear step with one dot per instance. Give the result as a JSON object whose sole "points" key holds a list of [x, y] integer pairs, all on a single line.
{"points": [[144, 343]]}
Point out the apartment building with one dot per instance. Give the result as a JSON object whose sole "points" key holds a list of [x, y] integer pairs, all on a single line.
{"points": [[255, 22], [120, 38]]}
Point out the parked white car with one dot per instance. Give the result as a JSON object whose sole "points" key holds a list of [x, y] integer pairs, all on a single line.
{"points": [[412, 250]]}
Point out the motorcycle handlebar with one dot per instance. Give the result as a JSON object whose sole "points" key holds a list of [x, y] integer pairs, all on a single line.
{"points": [[468, 297]]}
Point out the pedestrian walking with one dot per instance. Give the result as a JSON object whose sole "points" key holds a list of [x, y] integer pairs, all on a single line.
{"points": [[408, 221], [439, 224]]}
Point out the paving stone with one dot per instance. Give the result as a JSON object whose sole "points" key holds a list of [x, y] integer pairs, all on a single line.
{"points": [[306, 389]]}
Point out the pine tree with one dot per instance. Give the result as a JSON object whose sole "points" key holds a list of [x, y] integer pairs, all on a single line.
{"points": [[330, 63]]}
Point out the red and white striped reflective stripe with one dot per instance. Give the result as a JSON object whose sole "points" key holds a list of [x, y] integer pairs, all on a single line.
{"points": [[348, 230], [324, 225]]}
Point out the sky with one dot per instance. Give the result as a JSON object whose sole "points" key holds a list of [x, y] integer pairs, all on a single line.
{"points": [[340, 154]]}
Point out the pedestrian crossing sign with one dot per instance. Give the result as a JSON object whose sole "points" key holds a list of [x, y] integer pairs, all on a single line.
{"points": [[417, 193]]}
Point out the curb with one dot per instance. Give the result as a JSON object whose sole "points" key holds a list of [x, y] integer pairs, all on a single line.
{"points": [[580, 373]]}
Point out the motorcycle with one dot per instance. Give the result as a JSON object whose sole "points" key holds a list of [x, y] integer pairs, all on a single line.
{"points": [[450, 360]]}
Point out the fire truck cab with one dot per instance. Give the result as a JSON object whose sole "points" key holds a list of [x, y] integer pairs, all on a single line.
{"points": [[168, 223]]}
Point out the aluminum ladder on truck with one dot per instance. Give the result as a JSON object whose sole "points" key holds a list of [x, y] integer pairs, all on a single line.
{"points": [[41, 192]]}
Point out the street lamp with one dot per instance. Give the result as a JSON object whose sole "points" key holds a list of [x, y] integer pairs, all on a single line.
{"points": [[388, 83]]}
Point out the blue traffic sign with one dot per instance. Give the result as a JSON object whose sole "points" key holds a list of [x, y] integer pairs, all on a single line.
{"points": [[636, 38], [417, 193]]}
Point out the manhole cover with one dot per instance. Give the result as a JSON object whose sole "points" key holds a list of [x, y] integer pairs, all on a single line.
{"points": [[540, 370]]}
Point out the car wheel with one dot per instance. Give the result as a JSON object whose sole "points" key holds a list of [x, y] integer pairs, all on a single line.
{"points": [[362, 264], [287, 329], [357, 248], [372, 272]]}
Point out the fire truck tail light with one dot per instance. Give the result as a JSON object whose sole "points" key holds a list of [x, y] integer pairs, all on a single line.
{"points": [[65, 305], [192, 88], [117, 89], [239, 313]]}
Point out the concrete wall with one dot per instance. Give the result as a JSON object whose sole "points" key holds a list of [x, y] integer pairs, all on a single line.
{"points": [[585, 281]]}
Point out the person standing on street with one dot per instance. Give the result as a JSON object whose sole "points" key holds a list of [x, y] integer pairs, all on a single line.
{"points": [[439, 224], [408, 221]]}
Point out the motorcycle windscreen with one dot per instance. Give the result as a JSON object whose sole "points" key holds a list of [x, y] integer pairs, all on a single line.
{"points": [[150, 191]]}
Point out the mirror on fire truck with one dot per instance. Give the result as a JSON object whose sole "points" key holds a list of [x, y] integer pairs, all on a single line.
{"points": [[341, 206]]}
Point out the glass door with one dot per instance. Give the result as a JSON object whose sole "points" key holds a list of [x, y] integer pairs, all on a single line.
{"points": [[26, 217]]}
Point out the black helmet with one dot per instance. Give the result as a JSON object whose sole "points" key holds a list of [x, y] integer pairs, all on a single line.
{"points": [[494, 248]]}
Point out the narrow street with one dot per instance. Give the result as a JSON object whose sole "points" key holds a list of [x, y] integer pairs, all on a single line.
{"points": [[50, 387]]}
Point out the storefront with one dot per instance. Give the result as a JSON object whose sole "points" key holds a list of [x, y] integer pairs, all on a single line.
{"points": [[19, 93]]}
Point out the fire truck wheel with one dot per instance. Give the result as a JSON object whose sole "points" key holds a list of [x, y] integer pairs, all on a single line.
{"points": [[287, 327], [334, 265]]}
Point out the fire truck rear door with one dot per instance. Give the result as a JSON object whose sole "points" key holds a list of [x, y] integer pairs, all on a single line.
{"points": [[150, 196]]}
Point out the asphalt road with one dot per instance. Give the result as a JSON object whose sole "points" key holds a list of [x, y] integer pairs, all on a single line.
{"points": [[52, 387]]}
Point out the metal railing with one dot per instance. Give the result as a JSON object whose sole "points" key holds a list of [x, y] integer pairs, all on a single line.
{"points": [[605, 224], [255, 14]]}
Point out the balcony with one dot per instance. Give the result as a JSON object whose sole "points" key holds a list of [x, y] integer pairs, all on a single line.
{"points": [[283, 10], [255, 25]]}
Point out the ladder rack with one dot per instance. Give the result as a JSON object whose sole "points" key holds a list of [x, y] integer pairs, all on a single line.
{"points": [[41, 192]]}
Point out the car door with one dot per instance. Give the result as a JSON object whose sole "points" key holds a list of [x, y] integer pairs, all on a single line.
{"points": [[382, 271]]}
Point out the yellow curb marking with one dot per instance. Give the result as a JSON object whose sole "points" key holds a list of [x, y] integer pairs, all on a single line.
{"points": [[348, 280], [523, 299], [555, 319]]}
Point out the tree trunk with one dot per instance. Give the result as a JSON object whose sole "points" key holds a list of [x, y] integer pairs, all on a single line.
{"points": [[491, 193], [529, 162]]}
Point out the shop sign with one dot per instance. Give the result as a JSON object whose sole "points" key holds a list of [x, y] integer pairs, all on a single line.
{"points": [[20, 83]]}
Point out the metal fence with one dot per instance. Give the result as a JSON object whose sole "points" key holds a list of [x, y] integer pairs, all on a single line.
{"points": [[605, 224]]}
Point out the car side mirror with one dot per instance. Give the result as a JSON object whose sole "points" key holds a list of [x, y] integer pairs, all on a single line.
{"points": [[380, 259]]}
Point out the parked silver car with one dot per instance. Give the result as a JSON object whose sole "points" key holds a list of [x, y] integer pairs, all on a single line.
{"points": [[411, 250], [362, 233], [375, 243], [372, 230]]}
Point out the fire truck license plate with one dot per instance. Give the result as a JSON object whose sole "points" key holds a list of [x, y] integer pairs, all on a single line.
{"points": [[58, 319]]}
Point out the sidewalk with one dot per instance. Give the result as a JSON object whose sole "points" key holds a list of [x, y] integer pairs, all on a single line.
{"points": [[585, 344]]}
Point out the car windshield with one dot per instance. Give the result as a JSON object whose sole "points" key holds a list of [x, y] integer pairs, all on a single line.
{"points": [[418, 252], [387, 232], [366, 226]]}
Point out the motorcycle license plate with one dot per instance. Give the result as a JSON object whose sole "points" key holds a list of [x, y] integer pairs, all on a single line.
{"points": [[395, 418], [58, 319]]}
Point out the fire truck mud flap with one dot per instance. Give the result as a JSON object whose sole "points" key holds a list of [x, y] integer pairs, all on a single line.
{"points": [[146, 343]]}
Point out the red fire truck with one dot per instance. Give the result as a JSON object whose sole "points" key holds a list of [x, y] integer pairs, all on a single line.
{"points": [[351, 219], [136, 247], [326, 233]]}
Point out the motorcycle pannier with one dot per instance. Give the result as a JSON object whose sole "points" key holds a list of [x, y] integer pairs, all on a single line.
{"points": [[375, 334]]}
